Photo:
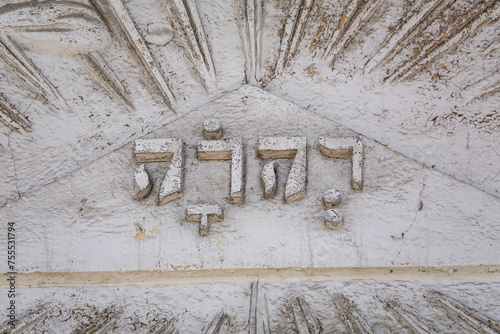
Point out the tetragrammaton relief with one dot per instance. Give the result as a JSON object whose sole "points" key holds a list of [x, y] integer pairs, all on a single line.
{"points": [[148, 151]]}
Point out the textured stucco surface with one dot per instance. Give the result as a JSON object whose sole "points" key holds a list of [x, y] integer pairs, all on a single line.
{"points": [[418, 81], [446, 115], [192, 308]]}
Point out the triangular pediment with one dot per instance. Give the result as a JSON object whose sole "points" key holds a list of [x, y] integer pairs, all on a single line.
{"points": [[405, 214]]}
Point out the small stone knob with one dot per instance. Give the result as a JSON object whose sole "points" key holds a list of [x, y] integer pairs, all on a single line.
{"points": [[333, 219], [212, 128], [331, 198]]}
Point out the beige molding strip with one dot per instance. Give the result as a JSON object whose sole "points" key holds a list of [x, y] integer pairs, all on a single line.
{"points": [[110, 278]]}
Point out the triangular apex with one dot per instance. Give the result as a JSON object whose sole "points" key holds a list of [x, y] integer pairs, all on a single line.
{"points": [[276, 181]]}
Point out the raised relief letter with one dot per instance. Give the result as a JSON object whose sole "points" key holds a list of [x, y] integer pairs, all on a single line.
{"points": [[163, 150], [346, 147], [204, 214], [289, 147], [227, 149]]}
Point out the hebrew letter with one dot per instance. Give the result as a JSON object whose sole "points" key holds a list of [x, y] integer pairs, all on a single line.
{"points": [[290, 147], [227, 149], [346, 147], [204, 214], [164, 150]]}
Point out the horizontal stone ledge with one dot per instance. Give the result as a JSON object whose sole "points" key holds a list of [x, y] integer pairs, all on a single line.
{"points": [[185, 277]]}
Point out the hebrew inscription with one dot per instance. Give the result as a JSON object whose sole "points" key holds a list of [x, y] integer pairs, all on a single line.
{"points": [[268, 148], [163, 150], [289, 147], [212, 128], [331, 198]]}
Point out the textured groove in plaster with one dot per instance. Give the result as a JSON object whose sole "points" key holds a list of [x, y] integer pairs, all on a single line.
{"points": [[13, 118], [448, 39], [355, 15], [250, 21], [15, 60], [293, 30], [186, 20], [264, 308], [120, 22]]}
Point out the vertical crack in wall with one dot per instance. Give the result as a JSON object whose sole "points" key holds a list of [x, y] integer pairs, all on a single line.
{"points": [[420, 207]]}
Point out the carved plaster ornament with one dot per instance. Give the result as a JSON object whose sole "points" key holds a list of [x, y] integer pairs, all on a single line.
{"points": [[142, 182], [186, 21], [331, 198], [212, 128], [343, 147], [61, 28]]}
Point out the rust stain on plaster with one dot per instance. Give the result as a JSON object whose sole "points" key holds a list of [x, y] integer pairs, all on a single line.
{"points": [[222, 242], [156, 232], [141, 235]]}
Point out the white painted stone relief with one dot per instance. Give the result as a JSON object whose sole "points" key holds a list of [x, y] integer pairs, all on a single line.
{"points": [[64, 29], [227, 149], [204, 214], [289, 147], [319, 55], [142, 182], [286, 147], [331, 198], [333, 218], [269, 179], [161, 150], [348, 147]]}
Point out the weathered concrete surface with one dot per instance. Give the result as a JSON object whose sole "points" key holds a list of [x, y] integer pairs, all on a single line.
{"points": [[406, 214]]}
